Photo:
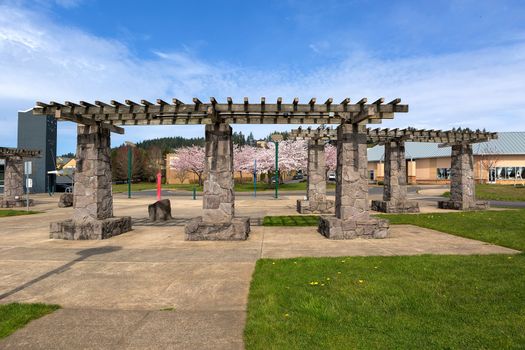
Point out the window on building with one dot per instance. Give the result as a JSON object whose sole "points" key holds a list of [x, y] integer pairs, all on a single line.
{"points": [[443, 173], [371, 174], [510, 173]]}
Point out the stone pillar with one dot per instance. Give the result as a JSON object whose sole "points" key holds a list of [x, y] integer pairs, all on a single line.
{"points": [[14, 183], [316, 201], [316, 185], [218, 221], [352, 217], [92, 197], [395, 181], [218, 196], [462, 185], [92, 193]]}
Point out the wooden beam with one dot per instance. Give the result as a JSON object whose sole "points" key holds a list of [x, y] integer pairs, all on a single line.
{"points": [[86, 121]]}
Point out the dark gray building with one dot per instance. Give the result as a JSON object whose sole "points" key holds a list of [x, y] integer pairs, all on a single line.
{"points": [[39, 133], [2, 170]]}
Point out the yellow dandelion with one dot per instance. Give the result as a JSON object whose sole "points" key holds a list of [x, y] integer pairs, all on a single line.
{"points": [[273, 263], [338, 272], [322, 284], [361, 281], [286, 315], [328, 278]]}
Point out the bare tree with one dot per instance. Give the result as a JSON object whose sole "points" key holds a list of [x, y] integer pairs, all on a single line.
{"points": [[152, 163], [488, 159]]}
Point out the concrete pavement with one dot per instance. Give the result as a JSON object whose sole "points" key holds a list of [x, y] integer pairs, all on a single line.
{"points": [[113, 292]]}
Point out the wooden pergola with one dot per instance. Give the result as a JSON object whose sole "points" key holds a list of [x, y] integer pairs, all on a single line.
{"points": [[395, 179], [93, 200], [14, 175]]}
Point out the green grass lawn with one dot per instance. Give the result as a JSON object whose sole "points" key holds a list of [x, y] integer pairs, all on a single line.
{"points": [[14, 316], [9, 212], [239, 187], [500, 192], [291, 220], [413, 302], [505, 228], [497, 193]]}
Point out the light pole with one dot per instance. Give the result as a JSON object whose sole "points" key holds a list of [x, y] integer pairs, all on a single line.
{"points": [[130, 164], [276, 138]]}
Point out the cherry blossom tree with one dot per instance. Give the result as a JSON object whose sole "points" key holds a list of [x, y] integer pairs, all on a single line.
{"points": [[292, 156], [330, 152], [244, 157], [189, 159]]}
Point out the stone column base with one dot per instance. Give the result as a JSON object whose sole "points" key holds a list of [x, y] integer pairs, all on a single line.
{"points": [[16, 203], [236, 230], [395, 207], [335, 228], [315, 207], [479, 205], [94, 229]]}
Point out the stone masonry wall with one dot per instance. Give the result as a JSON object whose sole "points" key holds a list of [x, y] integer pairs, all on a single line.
{"points": [[92, 191], [218, 193], [395, 180], [316, 182], [14, 179], [352, 182]]}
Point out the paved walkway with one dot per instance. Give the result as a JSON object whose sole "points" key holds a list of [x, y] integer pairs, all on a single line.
{"points": [[151, 289]]}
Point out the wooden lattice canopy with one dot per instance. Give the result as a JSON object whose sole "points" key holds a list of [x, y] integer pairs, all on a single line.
{"points": [[380, 136], [164, 113], [18, 152]]}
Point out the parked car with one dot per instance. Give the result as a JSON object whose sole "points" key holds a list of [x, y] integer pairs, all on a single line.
{"points": [[298, 176], [331, 176]]}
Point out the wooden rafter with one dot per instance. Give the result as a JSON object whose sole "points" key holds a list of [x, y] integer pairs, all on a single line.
{"points": [[146, 113]]}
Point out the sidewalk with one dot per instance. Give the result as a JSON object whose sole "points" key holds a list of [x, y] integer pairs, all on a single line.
{"points": [[112, 291]]}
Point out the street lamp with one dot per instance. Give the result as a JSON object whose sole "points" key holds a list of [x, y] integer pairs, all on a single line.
{"points": [[276, 138], [129, 144]]}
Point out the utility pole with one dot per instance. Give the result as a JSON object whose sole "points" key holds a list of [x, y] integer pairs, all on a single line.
{"points": [[276, 138], [130, 164]]}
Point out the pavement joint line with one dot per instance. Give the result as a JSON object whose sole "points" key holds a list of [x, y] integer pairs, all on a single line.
{"points": [[132, 329]]}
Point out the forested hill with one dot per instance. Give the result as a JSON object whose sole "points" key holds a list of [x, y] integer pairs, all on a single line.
{"points": [[167, 144]]}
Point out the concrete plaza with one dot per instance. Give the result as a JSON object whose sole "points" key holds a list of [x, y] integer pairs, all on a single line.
{"points": [[149, 288]]}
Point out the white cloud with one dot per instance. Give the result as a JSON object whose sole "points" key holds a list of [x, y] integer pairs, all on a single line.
{"points": [[42, 60]]}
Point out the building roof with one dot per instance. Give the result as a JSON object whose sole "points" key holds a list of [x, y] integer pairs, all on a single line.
{"points": [[507, 143]]}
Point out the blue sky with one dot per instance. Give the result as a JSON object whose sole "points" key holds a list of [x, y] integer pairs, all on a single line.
{"points": [[456, 63]]}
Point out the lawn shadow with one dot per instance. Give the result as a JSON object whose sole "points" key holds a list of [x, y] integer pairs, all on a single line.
{"points": [[83, 255]]}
